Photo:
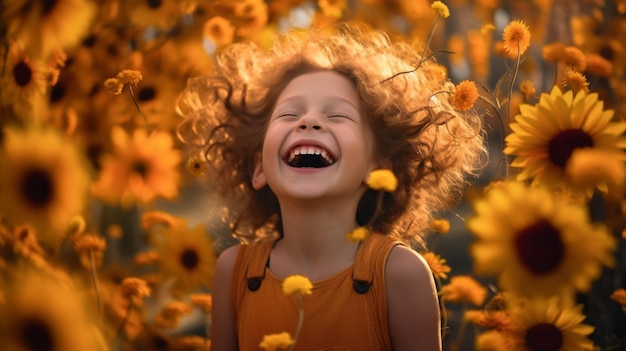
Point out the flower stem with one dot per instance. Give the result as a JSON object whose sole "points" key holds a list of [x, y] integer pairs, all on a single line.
{"points": [[94, 278], [444, 313], [120, 330], [300, 320], [132, 95]]}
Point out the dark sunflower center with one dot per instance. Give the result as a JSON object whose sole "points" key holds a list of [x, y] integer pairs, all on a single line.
{"points": [[22, 74], [561, 147], [141, 168], [189, 259], [544, 337], [36, 335], [37, 187], [539, 247], [48, 6], [146, 94], [154, 4], [160, 343]]}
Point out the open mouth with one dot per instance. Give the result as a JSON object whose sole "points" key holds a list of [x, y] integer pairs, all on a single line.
{"points": [[309, 157]]}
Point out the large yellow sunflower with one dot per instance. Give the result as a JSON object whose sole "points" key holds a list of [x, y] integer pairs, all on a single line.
{"points": [[545, 135], [41, 314], [142, 167], [45, 26], [24, 83], [188, 256], [536, 243], [544, 325], [44, 180]]}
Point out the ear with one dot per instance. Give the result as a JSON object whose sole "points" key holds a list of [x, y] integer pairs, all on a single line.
{"points": [[258, 177]]}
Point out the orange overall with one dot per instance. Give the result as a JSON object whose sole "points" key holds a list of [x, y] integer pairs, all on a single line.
{"points": [[347, 311]]}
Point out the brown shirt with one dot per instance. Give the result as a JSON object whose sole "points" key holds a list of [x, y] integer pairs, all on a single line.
{"points": [[347, 311]]}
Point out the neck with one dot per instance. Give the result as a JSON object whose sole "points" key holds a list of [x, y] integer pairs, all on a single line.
{"points": [[315, 235]]}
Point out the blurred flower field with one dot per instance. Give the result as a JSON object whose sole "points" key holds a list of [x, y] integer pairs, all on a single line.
{"points": [[109, 231]]}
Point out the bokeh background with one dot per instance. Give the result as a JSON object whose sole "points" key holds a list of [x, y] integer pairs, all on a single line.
{"points": [[96, 187]]}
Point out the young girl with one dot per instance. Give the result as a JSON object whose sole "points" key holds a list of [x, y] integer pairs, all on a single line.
{"points": [[292, 134]]}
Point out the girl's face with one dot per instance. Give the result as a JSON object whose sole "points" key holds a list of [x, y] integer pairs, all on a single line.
{"points": [[318, 143]]}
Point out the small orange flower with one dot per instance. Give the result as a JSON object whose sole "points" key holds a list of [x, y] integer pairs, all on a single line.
{"points": [[516, 36], [204, 301], [574, 58], [465, 95], [598, 65], [553, 52], [527, 88], [619, 296], [464, 288], [135, 287]]}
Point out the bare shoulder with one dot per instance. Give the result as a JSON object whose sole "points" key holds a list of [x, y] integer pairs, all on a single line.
{"points": [[412, 302], [404, 262], [226, 259], [224, 336]]}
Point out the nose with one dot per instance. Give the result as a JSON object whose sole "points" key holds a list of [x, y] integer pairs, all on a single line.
{"points": [[310, 121]]}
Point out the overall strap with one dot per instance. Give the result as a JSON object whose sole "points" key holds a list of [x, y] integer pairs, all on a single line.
{"points": [[257, 258], [372, 253]]}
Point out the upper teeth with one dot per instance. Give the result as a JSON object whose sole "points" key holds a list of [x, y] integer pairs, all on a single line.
{"points": [[309, 150]]}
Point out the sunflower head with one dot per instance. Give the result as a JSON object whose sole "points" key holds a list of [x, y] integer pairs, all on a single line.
{"points": [[46, 183], [545, 135]]}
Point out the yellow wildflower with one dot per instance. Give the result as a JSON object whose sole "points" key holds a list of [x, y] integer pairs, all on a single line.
{"points": [[437, 265], [440, 9], [382, 179], [441, 226], [297, 284], [274, 342], [575, 80], [358, 234], [516, 36]]}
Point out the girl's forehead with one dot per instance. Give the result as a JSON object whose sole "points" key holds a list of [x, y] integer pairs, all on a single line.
{"points": [[328, 85]]}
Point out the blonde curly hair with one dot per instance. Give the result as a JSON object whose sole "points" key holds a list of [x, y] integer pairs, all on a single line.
{"points": [[430, 146]]}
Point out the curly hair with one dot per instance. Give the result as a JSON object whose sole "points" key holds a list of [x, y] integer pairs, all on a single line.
{"points": [[430, 146]]}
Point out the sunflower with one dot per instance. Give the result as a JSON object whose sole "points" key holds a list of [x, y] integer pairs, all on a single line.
{"points": [[545, 325], [188, 256], [24, 83], [545, 135], [142, 167], [536, 243], [45, 26], [43, 315], [44, 180]]}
